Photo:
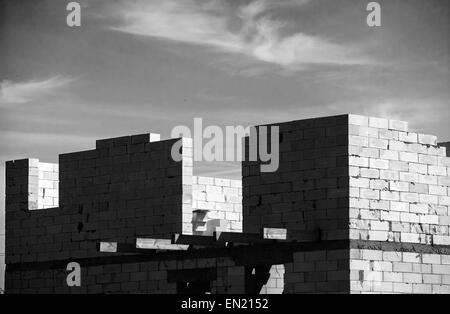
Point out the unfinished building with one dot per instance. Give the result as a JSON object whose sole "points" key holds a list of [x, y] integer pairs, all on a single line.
{"points": [[358, 204]]}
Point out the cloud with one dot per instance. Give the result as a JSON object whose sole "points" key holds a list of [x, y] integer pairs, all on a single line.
{"points": [[183, 21], [24, 92], [249, 30]]}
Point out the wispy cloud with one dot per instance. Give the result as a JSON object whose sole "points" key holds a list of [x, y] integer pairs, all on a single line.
{"points": [[250, 30], [24, 92]]}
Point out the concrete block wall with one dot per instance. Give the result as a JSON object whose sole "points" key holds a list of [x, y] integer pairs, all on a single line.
{"points": [[48, 184], [399, 193], [447, 146], [153, 277], [363, 179], [217, 199], [318, 271], [275, 283], [310, 189], [399, 183], [378, 271], [43, 185], [126, 187], [377, 192]]}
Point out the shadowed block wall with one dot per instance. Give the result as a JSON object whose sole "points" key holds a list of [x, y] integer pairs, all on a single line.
{"points": [[126, 187], [310, 189]]}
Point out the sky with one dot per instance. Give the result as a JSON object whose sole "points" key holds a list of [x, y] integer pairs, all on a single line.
{"points": [[147, 66]]}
